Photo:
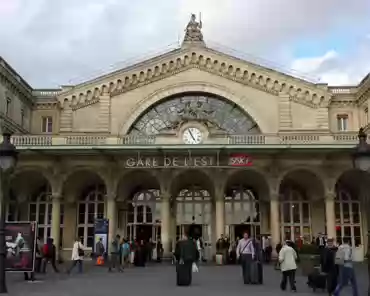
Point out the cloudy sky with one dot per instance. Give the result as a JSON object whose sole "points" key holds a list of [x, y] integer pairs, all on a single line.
{"points": [[58, 42]]}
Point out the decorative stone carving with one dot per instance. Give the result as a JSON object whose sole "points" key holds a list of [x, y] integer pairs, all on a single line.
{"points": [[193, 30]]}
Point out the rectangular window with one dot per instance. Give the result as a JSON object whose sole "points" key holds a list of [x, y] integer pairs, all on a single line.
{"points": [[8, 106], [47, 124], [22, 117], [342, 121]]}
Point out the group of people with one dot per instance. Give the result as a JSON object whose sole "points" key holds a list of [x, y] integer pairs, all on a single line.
{"points": [[123, 252]]}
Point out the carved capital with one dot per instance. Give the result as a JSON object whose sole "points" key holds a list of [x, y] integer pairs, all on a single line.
{"points": [[330, 196]]}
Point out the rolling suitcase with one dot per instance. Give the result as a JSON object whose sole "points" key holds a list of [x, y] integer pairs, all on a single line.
{"points": [[317, 280], [256, 273], [183, 274]]}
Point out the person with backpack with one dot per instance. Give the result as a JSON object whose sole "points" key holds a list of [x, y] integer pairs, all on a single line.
{"points": [[49, 255]]}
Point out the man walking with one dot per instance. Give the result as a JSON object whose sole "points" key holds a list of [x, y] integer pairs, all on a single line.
{"points": [[115, 254], [245, 251]]}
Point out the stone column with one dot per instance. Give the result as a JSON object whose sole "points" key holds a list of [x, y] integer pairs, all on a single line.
{"points": [[112, 217], [330, 215], [220, 216], [55, 220], [166, 224], [274, 220]]}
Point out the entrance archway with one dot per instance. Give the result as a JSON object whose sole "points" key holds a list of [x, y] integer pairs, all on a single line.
{"points": [[193, 206], [348, 218], [140, 217], [296, 192], [245, 191]]}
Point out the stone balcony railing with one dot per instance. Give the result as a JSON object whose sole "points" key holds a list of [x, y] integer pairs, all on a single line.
{"points": [[265, 139]]}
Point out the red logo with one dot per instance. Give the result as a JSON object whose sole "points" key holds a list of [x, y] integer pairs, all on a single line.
{"points": [[240, 160]]}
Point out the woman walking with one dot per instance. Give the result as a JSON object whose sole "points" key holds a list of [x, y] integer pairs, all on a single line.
{"points": [[78, 252], [288, 266]]}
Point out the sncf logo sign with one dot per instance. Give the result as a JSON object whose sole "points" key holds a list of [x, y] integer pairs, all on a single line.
{"points": [[240, 160]]}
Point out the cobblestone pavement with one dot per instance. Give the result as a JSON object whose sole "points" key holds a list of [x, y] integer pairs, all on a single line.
{"points": [[160, 280]]}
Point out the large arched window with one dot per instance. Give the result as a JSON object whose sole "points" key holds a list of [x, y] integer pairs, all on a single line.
{"points": [[40, 210], [215, 112], [144, 215], [348, 217], [242, 208], [90, 207], [295, 213], [194, 207]]}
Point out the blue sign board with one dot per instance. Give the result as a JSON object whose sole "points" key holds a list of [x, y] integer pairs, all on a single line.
{"points": [[101, 229]]}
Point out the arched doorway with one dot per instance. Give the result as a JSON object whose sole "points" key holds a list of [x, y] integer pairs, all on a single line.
{"points": [[297, 191], [87, 189], [139, 212], [244, 193], [193, 206], [348, 218]]}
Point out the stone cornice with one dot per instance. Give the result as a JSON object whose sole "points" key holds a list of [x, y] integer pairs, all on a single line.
{"points": [[47, 105], [266, 81]]}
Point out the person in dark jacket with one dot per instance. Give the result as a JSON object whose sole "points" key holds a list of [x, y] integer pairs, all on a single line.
{"points": [[329, 267], [186, 254]]}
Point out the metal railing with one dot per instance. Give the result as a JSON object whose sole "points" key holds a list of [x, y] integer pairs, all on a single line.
{"points": [[261, 139]]}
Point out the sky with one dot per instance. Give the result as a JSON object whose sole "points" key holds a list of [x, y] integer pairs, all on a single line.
{"points": [[61, 42]]}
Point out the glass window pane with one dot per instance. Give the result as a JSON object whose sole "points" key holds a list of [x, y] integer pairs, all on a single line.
{"points": [[306, 213], [297, 232], [287, 235], [91, 213], [80, 233], [90, 237], [100, 211], [81, 213], [286, 212], [338, 233], [355, 213], [347, 231], [50, 209], [296, 213], [41, 234], [357, 235], [337, 213], [346, 213], [41, 216], [32, 213]]}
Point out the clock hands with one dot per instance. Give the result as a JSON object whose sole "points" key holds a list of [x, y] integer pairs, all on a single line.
{"points": [[191, 134]]}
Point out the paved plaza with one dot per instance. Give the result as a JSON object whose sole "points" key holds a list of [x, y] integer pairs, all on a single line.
{"points": [[159, 280]]}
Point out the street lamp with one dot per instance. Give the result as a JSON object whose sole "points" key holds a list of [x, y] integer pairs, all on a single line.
{"points": [[8, 160], [361, 161]]}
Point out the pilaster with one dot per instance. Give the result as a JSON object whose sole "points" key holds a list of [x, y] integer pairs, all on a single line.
{"points": [[322, 118], [285, 112], [330, 215], [104, 113], [274, 219], [66, 116], [55, 219], [219, 207], [166, 223], [111, 215]]}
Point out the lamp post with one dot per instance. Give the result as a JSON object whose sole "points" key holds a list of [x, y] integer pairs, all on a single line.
{"points": [[8, 160], [361, 161]]}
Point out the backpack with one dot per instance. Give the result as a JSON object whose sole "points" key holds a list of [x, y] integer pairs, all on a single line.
{"points": [[45, 250]]}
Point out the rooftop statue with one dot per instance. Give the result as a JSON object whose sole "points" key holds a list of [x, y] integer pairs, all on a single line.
{"points": [[193, 30]]}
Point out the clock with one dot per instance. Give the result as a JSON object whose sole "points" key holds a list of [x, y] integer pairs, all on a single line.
{"points": [[192, 135]]}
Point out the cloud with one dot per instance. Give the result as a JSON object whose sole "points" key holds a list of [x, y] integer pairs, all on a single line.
{"points": [[53, 42]]}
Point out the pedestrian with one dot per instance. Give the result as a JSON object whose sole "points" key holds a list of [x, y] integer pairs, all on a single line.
{"points": [[288, 266], [329, 267], [115, 254], [346, 272], [50, 255], [99, 252], [38, 255], [245, 253], [186, 254], [78, 253]]}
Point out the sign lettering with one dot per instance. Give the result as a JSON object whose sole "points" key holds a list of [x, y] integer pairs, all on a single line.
{"points": [[240, 160]]}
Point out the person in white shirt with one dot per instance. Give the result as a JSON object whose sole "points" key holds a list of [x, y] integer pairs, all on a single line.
{"points": [[288, 266], [77, 255], [245, 251]]}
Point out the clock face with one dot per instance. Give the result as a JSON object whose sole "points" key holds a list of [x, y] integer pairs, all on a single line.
{"points": [[192, 135]]}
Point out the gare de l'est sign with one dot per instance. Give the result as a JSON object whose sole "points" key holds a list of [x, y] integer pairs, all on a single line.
{"points": [[187, 161]]}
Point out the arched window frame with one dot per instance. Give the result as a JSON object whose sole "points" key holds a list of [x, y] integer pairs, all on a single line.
{"points": [[40, 210], [193, 202], [298, 226], [208, 108], [149, 202], [348, 218], [91, 205]]}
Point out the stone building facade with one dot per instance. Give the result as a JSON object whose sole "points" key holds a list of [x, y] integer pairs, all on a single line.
{"points": [[191, 137]]}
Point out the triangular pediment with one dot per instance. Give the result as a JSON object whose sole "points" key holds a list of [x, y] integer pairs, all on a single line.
{"points": [[204, 59]]}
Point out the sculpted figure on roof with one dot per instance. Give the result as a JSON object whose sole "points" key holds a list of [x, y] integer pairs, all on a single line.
{"points": [[193, 30]]}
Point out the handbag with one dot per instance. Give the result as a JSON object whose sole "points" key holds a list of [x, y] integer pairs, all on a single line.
{"points": [[240, 260], [194, 267], [80, 251]]}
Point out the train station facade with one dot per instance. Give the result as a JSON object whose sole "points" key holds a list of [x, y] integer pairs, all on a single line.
{"points": [[190, 137]]}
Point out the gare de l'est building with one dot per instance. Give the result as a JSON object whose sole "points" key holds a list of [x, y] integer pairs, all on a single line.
{"points": [[194, 137]]}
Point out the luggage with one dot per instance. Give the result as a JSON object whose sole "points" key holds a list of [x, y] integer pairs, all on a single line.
{"points": [[317, 280], [183, 274], [256, 273], [219, 259]]}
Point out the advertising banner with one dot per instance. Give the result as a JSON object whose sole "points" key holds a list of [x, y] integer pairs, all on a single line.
{"points": [[101, 228], [20, 240]]}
